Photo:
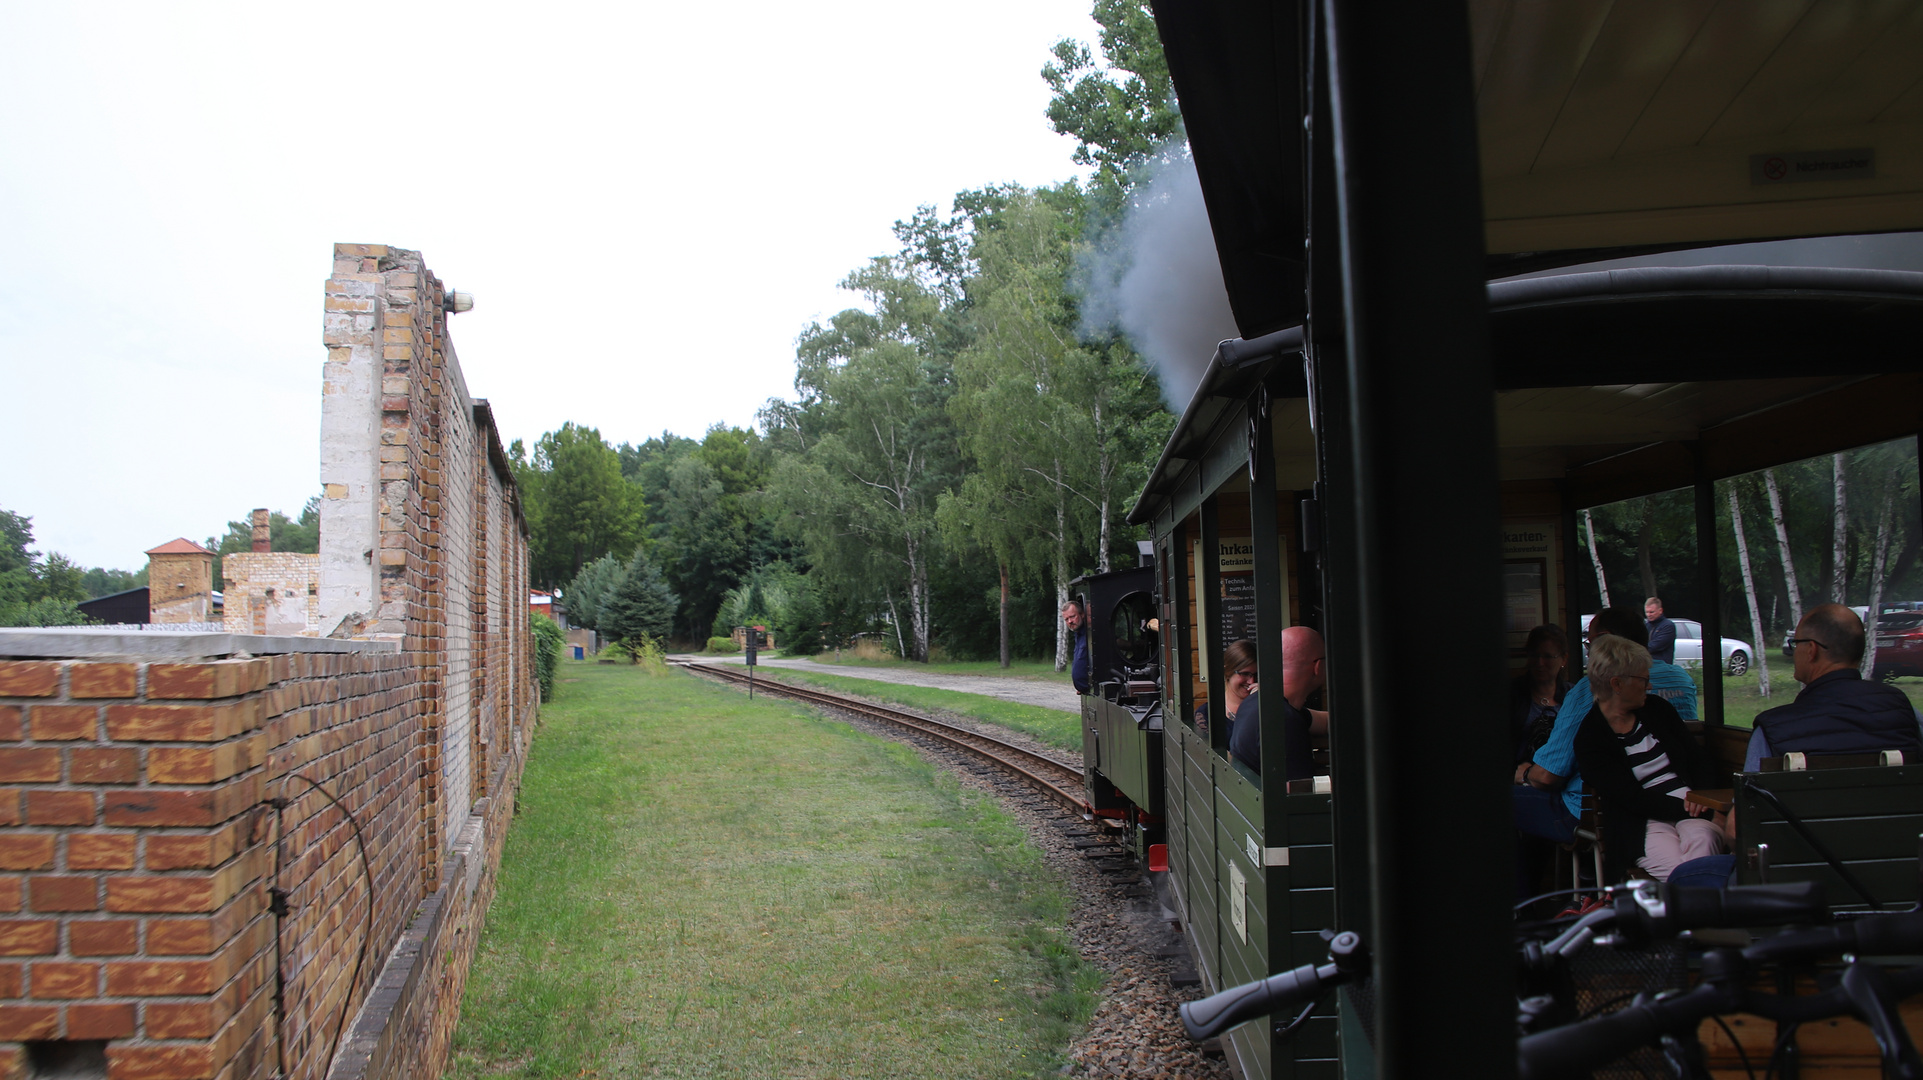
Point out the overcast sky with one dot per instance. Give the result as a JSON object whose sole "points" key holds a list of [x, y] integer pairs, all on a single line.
{"points": [[648, 202]]}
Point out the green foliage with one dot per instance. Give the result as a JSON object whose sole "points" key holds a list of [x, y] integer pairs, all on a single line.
{"points": [[642, 605], [578, 504], [101, 581], [645, 652], [36, 590], [1122, 110], [722, 645], [300, 534], [549, 642], [587, 595]]}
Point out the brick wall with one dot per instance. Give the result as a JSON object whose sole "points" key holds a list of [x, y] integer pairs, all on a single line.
{"points": [[157, 789], [274, 593]]}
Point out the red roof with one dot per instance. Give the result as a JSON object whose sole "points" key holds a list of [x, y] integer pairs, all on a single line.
{"points": [[179, 546]]}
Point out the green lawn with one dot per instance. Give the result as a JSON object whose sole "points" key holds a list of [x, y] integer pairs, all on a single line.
{"points": [[1741, 701], [696, 885], [1052, 726]]}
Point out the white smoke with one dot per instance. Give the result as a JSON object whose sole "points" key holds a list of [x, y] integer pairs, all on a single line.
{"points": [[1158, 282]]}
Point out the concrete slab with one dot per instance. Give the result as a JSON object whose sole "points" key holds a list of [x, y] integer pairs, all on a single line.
{"points": [[73, 642]]}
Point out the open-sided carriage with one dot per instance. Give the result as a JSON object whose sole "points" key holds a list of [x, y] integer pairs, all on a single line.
{"points": [[1490, 266]]}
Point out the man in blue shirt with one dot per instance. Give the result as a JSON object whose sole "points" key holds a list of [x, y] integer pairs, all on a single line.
{"points": [[1548, 792], [1077, 623]]}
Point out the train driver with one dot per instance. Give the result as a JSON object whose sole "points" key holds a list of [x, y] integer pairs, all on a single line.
{"points": [[1077, 623]]}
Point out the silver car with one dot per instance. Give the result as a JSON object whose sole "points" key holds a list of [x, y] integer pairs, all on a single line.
{"points": [[1689, 646]]}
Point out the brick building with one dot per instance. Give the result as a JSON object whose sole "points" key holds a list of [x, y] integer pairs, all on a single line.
{"points": [[162, 793], [270, 592]]}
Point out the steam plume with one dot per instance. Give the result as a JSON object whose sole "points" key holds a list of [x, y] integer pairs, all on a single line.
{"points": [[1157, 280]]}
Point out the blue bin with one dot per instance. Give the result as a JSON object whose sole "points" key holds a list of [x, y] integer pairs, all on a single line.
{"points": [[578, 653]]}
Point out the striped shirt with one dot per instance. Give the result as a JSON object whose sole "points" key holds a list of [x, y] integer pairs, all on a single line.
{"points": [[1649, 762]]}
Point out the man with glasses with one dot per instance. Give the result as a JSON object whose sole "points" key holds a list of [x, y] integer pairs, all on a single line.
{"points": [[1838, 711]]}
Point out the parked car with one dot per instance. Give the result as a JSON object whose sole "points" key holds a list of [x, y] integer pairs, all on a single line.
{"points": [[1899, 645], [1863, 613], [1689, 646]]}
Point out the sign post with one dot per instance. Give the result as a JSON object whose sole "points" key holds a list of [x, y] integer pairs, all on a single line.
{"points": [[750, 647]]}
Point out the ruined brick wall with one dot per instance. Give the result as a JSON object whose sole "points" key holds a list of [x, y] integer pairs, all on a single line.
{"points": [[275, 592], [150, 804], [180, 588]]}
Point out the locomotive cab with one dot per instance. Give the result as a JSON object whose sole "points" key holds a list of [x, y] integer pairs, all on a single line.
{"points": [[1122, 715]]}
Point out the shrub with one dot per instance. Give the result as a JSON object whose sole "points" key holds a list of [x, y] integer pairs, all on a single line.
{"points": [[642, 604], [644, 652], [549, 641], [722, 644]]}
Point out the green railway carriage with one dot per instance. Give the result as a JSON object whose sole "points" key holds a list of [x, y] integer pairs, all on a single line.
{"points": [[1491, 264]]}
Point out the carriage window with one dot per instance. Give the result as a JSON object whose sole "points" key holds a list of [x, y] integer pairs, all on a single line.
{"points": [[1838, 528], [1135, 643]]}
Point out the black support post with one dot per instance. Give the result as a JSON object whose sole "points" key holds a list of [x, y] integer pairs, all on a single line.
{"points": [[1709, 587], [1208, 628], [1426, 519], [1270, 584]]}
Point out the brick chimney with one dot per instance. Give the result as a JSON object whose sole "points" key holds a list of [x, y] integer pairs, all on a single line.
{"points": [[263, 534]]}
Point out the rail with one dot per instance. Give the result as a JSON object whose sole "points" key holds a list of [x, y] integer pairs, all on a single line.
{"points": [[1056, 779]]}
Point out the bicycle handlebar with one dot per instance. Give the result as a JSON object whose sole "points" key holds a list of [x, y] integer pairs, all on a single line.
{"points": [[1213, 1015]]}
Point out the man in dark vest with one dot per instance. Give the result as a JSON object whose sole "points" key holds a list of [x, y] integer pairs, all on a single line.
{"points": [[1838, 711], [1076, 620], [1662, 631]]}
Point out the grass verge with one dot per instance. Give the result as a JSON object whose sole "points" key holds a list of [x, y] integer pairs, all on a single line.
{"points": [[1052, 726], [1742, 700], [696, 885]]}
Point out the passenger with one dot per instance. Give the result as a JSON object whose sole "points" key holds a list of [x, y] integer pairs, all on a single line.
{"points": [[1548, 791], [1238, 663], [1535, 693], [1302, 676], [1838, 711], [1641, 759], [1077, 623], [1662, 631]]}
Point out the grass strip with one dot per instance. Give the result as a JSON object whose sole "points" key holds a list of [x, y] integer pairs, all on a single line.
{"points": [[1052, 726], [697, 885]]}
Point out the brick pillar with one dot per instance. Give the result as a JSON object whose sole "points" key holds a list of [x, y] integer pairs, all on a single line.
{"points": [[263, 531]]}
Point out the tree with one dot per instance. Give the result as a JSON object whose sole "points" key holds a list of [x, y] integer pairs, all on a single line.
{"points": [[641, 605], [1792, 590], [300, 534], [701, 545], [590, 590], [1123, 111], [1749, 593], [578, 504], [1840, 532], [35, 590], [1602, 583], [873, 446]]}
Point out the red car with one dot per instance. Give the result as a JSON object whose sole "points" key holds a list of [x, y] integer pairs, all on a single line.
{"points": [[1899, 645]]}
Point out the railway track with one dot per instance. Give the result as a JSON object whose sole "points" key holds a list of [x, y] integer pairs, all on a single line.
{"points": [[1056, 779]]}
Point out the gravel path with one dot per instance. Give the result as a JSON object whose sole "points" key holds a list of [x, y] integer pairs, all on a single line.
{"points": [[1027, 691], [1118, 924]]}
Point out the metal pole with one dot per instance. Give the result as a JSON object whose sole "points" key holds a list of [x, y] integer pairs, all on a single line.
{"points": [[1426, 517]]}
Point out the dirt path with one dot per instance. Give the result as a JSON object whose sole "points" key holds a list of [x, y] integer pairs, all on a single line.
{"points": [[1048, 695]]}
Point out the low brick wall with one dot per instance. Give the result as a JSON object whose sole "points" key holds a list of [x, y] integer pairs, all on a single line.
{"points": [[150, 807]]}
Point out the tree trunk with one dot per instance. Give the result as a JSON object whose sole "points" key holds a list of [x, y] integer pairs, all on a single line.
{"points": [[1602, 585], [1782, 547], [1004, 567], [1644, 540], [1063, 647], [1840, 536], [1749, 593], [1878, 565], [894, 616]]}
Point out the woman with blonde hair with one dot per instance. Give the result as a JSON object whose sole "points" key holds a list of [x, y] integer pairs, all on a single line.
{"points": [[1639, 759]]}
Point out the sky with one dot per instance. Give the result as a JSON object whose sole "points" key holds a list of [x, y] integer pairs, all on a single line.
{"points": [[648, 202]]}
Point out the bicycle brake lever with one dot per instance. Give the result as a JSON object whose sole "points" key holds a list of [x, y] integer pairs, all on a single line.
{"points": [[1869, 990]]}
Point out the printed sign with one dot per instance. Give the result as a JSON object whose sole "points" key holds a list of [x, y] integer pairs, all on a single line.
{"points": [[1528, 578], [1237, 555], [1808, 165]]}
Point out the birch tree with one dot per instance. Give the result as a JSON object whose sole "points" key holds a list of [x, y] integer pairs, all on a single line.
{"points": [[1749, 593], [1879, 564], [1595, 559], [1790, 585], [1840, 532]]}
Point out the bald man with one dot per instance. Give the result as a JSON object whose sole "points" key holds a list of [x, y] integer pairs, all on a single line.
{"points": [[1838, 711], [1302, 676]]}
